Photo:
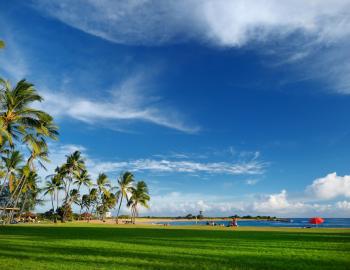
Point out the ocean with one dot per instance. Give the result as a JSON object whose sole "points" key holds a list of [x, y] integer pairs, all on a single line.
{"points": [[293, 223]]}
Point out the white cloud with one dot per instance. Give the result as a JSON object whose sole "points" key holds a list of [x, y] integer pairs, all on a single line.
{"points": [[318, 31], [330, 186], [177, 203], [127, 102], [278, 203], [345, 205], [226, 23], [12, 62], [175, 166], [167, 202], [58, 154], [252, 182]]}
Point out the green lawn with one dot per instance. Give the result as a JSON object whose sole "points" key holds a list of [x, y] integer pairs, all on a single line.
{"points": [[73, 246]]}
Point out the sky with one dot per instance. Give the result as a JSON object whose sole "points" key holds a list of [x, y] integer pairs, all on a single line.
{"points": [[226, 107]]}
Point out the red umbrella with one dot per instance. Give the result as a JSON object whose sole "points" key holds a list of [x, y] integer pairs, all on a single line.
{"points": [[316, 220]]}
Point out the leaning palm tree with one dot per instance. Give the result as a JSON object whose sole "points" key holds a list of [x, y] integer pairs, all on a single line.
{"points": [[11, 163], [125, 182], [139, 197], [17, 118], [21, 123], [30, 191]]}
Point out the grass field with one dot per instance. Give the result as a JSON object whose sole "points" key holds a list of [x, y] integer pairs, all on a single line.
{"points": [[83, 246]]}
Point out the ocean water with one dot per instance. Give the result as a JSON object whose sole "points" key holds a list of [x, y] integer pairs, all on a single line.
{"points": [[294, 223]]}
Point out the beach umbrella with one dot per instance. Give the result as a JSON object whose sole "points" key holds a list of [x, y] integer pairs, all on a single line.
{"points": [[316, 220]]}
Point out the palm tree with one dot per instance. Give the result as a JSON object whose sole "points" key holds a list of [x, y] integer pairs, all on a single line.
{"points": [[93, 199], [73, 166], [53, 187], [139, 196], [103, 185], [74, 197], [19, 122], [85, 203], [30, 191], [82, 179], [50, 188], [17, 118], [125, 182], [108, 201], [37, 146], [11, 162]]}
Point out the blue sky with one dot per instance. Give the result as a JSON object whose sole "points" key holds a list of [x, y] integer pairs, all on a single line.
{"points": [[227, 107]]}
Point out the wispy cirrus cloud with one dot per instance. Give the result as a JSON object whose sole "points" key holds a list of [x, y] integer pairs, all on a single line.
{"points": [[134, 99], [312, 34], [175, 166], [155, 165], [128, 102], [224, 23]]}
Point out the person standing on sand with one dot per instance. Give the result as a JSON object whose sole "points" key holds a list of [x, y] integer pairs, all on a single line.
{"points": [[234, 222]]}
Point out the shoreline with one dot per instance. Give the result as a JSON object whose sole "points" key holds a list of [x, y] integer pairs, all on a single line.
{"points": [[152, 221]]}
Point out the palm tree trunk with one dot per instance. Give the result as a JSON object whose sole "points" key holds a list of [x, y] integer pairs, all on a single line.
{"points": [[3, 185], [53, 206], [132, 214], [16, 202], [24, 204], [57, 193], [120, 204], [20, 184]]}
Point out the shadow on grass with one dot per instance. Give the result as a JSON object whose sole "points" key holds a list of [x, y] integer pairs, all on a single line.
{"points": [[144, 248]]}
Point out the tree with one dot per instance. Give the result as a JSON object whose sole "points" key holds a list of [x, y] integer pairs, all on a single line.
{"points": [[72, 168], [17, 118], [139, 197], [52, 187], [29, 198], [85, 203], [21, 123], [108, 201], [125, 182], [82, 179], [12, 162], [103, 183], [93, 199], [2, 44]]}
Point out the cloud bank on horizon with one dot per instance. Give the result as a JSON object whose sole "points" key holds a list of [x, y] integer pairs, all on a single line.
{"points": [[327, 195]]}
